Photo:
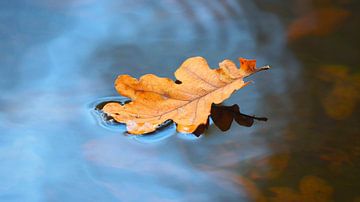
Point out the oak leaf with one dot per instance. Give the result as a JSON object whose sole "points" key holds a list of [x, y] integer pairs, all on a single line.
{"points": [[187, 101]]}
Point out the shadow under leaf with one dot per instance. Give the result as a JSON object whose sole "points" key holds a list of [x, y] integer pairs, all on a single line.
{"points": [[223, 116]]}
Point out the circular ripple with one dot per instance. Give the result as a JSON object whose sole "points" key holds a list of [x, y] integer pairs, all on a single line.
{"points": [[164, 131]]}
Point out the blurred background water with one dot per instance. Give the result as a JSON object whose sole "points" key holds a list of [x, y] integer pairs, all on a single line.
{"points": [[58, 59]]}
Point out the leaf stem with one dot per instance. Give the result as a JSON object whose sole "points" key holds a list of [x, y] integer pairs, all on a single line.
{"points": [[254, 117], [266, 67]]}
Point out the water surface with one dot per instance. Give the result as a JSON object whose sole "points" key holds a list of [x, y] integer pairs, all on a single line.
{"points": [[60, 58]]}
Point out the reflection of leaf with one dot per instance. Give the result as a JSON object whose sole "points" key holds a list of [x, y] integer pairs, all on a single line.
{"points": [[314, 189], [317, 23], [186, 102], [270, 167], [224, 115], [311, 189], [337, 158], [253, 193], [342, 100], [283, 194], [251, 189], [357, 199]]}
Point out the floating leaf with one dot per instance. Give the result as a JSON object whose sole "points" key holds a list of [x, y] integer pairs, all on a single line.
{"points": [[222, 117], [187, 102]]}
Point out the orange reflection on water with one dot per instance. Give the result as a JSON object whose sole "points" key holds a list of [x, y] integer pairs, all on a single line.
{"points": [[319, 22], [344, 95]]}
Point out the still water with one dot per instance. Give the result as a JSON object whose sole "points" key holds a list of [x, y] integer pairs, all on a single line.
{"points": [[59, 59]]}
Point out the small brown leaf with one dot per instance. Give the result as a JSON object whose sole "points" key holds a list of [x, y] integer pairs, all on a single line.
{"points": [[187, 102]]}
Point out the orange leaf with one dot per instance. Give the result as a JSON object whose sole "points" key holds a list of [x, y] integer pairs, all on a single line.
{"points": [[187, 102]]}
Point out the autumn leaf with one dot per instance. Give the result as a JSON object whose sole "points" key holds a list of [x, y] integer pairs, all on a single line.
{"points": [[222, 116], [187, 102]]}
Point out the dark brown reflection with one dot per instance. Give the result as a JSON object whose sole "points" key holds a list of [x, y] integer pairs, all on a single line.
{"points": [[222, 116]]}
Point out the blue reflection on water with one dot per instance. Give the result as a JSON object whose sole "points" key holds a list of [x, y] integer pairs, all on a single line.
{"points": [[60, 56]]}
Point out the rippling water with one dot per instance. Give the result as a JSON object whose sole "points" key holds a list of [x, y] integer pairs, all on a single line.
{"points": [[60, 58]]}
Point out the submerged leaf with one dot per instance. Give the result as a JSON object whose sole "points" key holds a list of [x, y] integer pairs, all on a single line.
{"points": [[187, 102]]}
